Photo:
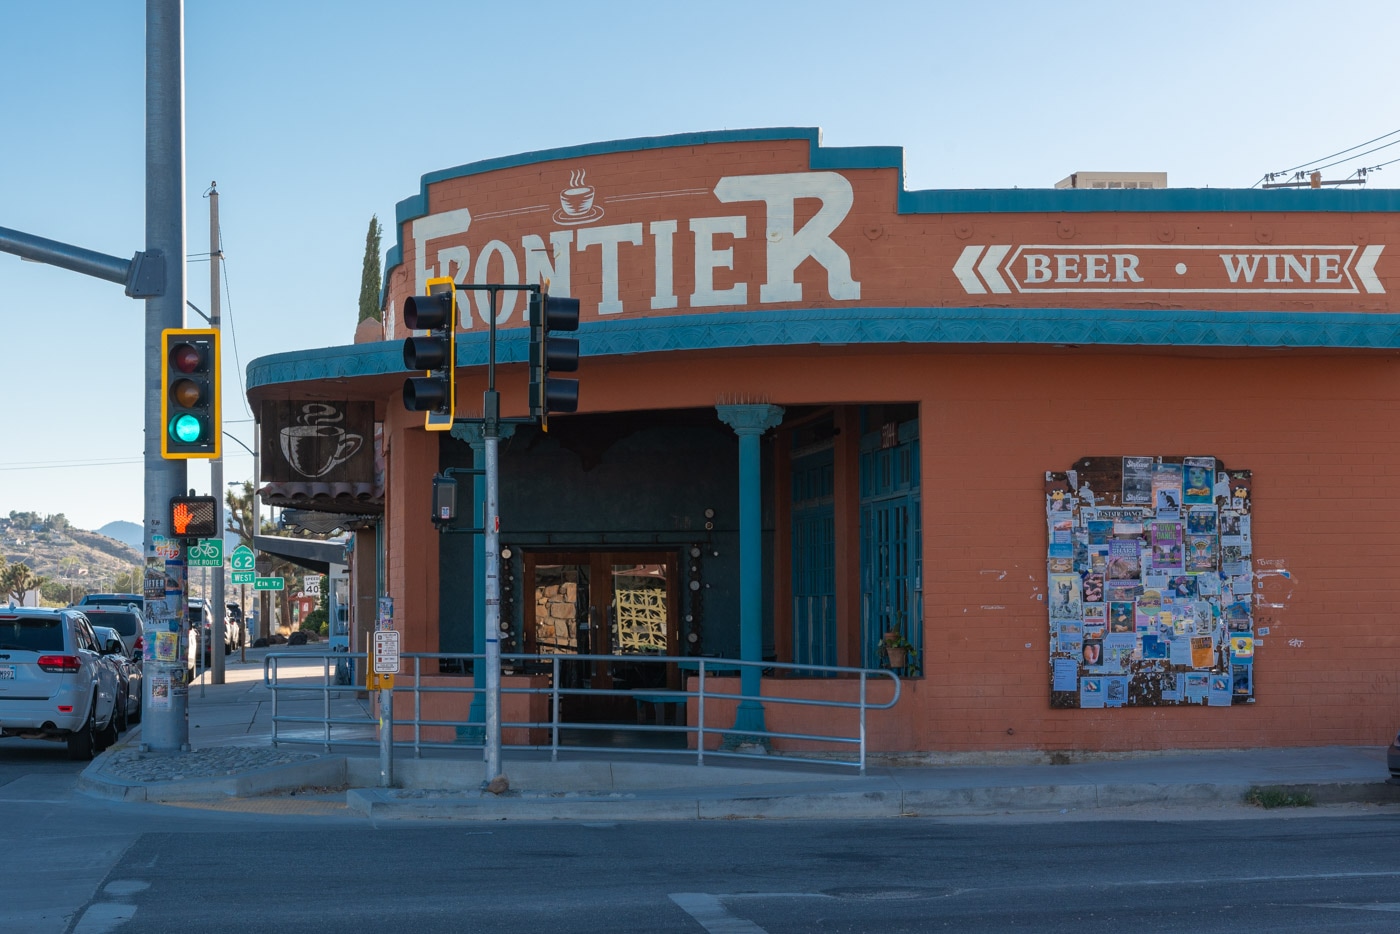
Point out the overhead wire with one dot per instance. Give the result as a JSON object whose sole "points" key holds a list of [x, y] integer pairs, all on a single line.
{"points": [[1311, 163]]}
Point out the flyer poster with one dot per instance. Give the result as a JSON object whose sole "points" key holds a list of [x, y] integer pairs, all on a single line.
{"points": [[1124, 561], [1090, 692], [1066, 675], [1093, 588], [1095, 614], [1118, 650], [1200, 481], [1100, 531], [1137, 481], [1243, 677], [1201, 520], [1240, 483], [1197, 686], [1167, 557], [1120, 617], [167, 646], [1092, 653], [1202, 652], [160, 692], [1232, 560], [1200, 553], [1066, 597], [1179, 653], [1241, 650], [1221, 690], [1115, 691], [1166, 486]]}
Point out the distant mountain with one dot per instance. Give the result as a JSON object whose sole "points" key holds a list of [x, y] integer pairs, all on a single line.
{"points": [[128, 533]]}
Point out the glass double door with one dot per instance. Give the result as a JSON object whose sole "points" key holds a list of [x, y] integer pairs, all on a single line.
{"points": [[613, 603]]}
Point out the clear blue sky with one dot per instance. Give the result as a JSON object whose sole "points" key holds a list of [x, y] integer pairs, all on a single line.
{"points": [[313, 115]]}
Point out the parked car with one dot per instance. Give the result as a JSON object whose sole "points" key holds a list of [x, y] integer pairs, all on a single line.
{"points": [[202, 623], [128, 670], [234, 630], [1392, 759], [127, 620], [110, 599], [53, 682]]}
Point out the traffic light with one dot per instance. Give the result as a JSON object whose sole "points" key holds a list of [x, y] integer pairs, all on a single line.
{"points": [[194, 517], [435, 393], [550, 353], [189, 402]]}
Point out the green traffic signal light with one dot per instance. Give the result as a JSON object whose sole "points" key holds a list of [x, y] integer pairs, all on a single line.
{"points": [[190, 397], [186, 429]]}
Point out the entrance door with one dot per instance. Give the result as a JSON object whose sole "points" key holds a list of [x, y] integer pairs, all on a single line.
{"points": [[617, 603]]}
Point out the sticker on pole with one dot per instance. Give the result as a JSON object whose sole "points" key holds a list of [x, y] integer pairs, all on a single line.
{"points": [[386, 652]]}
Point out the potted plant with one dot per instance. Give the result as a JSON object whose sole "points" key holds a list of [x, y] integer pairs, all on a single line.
{"points": [[899, 652]]}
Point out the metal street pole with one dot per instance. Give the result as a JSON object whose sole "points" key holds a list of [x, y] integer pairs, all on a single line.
{"points": [[216, 466], [166, 696], [490, 435]]}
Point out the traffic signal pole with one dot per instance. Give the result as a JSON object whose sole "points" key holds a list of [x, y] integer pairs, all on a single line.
{"points": [[166, 721]]}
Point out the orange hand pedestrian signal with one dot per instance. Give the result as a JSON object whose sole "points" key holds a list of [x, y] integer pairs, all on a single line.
{"points": [[194, 517]]}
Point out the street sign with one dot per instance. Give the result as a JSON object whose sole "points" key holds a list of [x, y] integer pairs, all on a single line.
{"points": [[269, 583], [386, 652], [311, 586], [242, 560], [207, 553], [243, 577]]}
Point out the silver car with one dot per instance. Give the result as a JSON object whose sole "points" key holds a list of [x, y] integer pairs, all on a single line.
{"points": [[126, 619], [128, 669], [53, 682]]}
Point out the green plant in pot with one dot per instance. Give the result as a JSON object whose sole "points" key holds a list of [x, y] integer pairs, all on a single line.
{"points": [[899, 652]]}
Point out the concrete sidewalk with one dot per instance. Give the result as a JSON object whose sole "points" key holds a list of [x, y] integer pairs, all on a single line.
{"points": [[232, 758]]}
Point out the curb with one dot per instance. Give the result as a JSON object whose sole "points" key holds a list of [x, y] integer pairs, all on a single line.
{"points": [[387, 804], [326, 770]]}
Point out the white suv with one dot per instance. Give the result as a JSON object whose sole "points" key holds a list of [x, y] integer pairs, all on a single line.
{"points": [[53, 682]]}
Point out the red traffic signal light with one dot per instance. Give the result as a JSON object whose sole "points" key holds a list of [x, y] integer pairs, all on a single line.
{"points": [[189, 403]]}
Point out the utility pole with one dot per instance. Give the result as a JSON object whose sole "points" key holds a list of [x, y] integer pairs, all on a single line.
{"points": [[167, 723], [216, 466]]}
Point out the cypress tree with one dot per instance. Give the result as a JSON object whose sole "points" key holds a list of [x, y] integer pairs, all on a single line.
{"points": [[369, 275]]}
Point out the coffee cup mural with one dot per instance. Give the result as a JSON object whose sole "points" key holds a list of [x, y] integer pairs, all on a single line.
{"points": [[317, 444], [576, 202]]}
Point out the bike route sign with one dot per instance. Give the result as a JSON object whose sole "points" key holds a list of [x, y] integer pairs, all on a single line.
{"points": [[207, 553]]}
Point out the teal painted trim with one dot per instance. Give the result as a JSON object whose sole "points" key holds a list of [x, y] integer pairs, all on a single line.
{"points": [[827, 326]]}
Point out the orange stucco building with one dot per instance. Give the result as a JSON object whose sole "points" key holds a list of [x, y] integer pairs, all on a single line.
{"points": [[968, 413]]}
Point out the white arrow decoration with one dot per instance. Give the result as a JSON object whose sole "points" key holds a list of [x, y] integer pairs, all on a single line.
{"points": [[1366, 268], [988, 268], [963, 269]]}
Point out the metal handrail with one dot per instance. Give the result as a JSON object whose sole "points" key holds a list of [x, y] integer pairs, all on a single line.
{"points": [[552, 663]]}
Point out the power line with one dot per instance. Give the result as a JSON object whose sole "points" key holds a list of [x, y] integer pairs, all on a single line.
{"points": [[1269, 176], [1357, 156], [1357, 146]]}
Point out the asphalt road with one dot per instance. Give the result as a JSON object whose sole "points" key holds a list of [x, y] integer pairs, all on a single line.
{"points": [[73, 864]]}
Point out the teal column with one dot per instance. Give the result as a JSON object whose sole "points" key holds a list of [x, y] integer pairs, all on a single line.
{"points": [[476, 715], [749, 423]]}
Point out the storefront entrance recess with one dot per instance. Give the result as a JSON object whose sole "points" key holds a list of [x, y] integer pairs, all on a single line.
{"points": [[617, 603]]}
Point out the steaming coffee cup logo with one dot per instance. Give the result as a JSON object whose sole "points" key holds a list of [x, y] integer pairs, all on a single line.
{"points": [[318, 445], [576, 202]]}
